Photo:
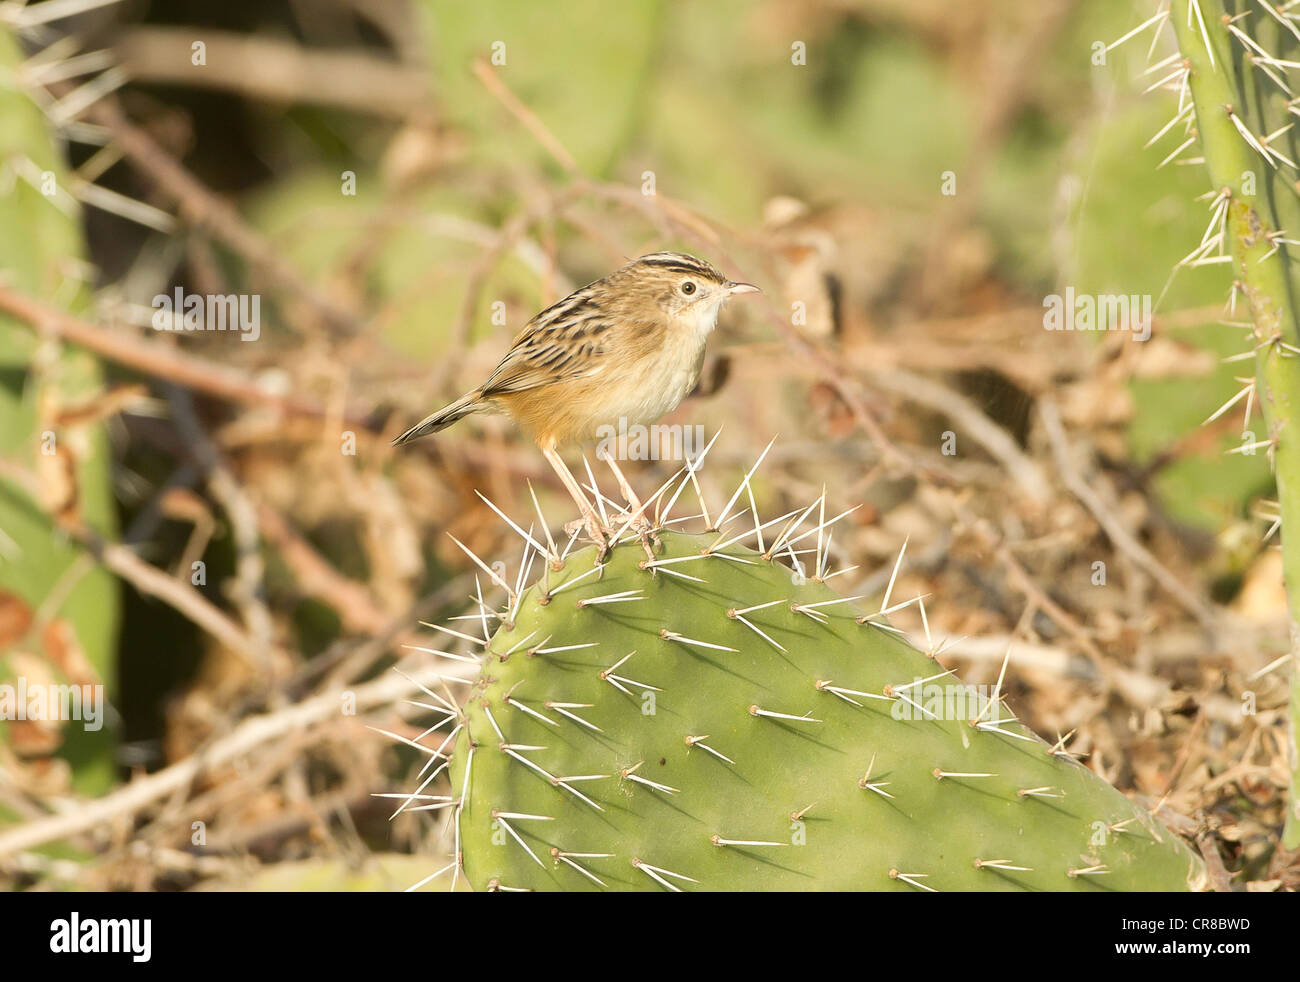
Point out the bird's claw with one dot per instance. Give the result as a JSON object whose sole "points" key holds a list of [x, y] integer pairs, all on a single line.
{"points": [[594, 532], [649, 539]]}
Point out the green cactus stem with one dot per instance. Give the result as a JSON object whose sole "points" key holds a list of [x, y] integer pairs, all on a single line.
{"points": [[41, 253], [1237, 107]]}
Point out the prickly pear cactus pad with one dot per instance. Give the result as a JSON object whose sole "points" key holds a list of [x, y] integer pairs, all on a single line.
{"points": [[709, 720]]}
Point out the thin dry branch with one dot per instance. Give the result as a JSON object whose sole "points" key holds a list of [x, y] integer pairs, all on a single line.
{"points": [[248, 736], [1118, 534], [539, 130], [356, 608], [151, 581], [151, 358], [248, 593], [1025, 474], [202, 208], [274, 70]]}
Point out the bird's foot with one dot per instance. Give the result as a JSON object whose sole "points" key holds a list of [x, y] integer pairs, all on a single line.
{"points": [[595, 532], [648, 537]]}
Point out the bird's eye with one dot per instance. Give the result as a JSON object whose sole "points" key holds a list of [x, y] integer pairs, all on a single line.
{"points": [[688, 288]]}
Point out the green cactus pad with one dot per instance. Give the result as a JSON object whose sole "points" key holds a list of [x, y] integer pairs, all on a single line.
{"points": [[663, 729]]}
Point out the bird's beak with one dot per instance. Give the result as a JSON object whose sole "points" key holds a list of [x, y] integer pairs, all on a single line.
{"points": [[735, 288]]}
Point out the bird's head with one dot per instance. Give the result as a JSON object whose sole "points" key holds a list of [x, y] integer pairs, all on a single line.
{"points": [[686, 291]]}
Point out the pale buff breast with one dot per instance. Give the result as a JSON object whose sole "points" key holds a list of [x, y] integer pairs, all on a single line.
{"points": [[627, 391]]}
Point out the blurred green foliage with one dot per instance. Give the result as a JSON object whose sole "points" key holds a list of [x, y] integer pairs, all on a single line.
{"points": [[1133, 224], [707, 97]]}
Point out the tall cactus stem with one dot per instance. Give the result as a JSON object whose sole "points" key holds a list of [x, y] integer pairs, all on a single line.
{"points": [[1231, 104]]}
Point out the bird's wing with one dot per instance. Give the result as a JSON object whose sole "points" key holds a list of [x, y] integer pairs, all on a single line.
{"points": [[563, 342]]}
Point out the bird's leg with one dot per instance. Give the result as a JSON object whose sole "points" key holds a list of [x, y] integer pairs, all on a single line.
{"points": [[589, 517], [640, 523]]}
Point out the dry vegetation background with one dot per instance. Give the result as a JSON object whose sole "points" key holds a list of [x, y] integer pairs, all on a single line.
{"points": [[478, 185]]}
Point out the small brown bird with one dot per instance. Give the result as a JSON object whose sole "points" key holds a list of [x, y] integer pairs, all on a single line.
{"points": [[621, 351]]}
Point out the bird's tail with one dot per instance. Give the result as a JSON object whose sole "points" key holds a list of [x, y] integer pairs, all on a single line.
{"points": [[466, 405]]}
